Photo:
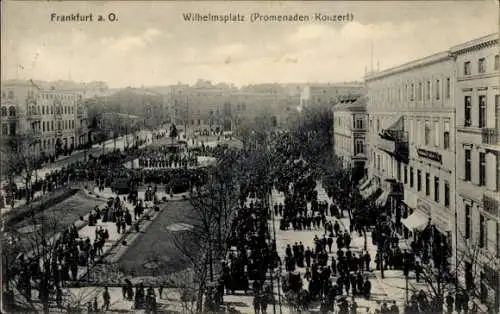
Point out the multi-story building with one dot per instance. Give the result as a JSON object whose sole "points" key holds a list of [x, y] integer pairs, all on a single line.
{"points": [[326, 95], [51, 116], [477, 101], [411, 127], [350, 121], [434, 141], [209, 108]]}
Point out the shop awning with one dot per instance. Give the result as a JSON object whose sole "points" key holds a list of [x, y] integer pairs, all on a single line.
{"points": [[416, 221], [369, 191], [398, 125], [365, 184], [382, 199]]}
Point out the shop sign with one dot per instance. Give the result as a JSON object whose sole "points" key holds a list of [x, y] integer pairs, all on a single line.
{"points": [[424, 153], [424, 207]]}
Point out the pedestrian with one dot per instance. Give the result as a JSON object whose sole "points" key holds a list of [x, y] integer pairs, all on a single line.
{"points": [[367, 259], [95, 305], [418, 270], [256, 303], [394, 308], [449, 303], [106, 299], [330, 243]]}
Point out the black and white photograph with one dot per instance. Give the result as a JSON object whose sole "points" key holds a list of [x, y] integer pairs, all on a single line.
{"points": [[256, 157]]}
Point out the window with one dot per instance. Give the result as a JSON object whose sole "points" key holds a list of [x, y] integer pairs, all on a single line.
{"points": [[446, 135], [406, 175], [411, 177], [419, 91], [446, 194], [497, 62], [428, 91], [412, 92], [482, 111], [359, 147], [436, 189], [419, 180], [427, 184], [468, 111], [481, 65], [378, 125], [448, 88], [482, 169], [427, 132], [438, 89], [467, 68], [5, 129], [467, 221], [482, 230], [11, 94], [12, 128], [43, 126], [436, 134], [359, 123], [467, 165], [12, 111]]}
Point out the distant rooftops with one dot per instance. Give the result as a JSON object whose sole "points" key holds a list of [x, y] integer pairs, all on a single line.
{"points": [[353, 103]]}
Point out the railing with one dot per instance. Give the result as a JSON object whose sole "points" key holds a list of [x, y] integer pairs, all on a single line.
{"points": [[490, 136], [395, 186], [490, 205]]}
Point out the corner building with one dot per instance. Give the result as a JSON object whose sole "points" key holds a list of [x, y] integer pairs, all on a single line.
{"points": [[349, 135], [477, 99], [57, 119], [412, 154]]}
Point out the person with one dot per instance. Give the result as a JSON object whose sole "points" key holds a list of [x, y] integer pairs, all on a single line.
{"points": [[256, 303], [449, 303], [95, 305], [394, 308], [354, 306], [106, 298], [418, 270], [367, 287]]}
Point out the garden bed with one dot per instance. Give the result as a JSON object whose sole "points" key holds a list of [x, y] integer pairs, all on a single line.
{"points": [[155, 252]]}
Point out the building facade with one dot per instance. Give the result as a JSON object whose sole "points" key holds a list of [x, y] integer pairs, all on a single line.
{"points": [[350, 121], [326, 95], [434, 147], [55, 118], [477, 100], [411, 127]]}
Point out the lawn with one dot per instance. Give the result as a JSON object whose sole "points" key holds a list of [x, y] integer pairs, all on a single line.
{"points": [[155, 252], [63, 214]]}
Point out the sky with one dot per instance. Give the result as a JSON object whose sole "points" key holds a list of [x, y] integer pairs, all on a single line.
{"points": [[150, 43]]}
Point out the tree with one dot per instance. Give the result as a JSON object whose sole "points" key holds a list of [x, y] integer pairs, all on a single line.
{"points": [[19, 247], [438, 278], [21, 161], [214, 204]]}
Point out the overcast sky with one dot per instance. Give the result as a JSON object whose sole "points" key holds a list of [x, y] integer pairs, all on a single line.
{"points": [[151, 44]]}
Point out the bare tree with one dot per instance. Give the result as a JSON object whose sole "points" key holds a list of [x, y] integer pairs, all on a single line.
{"points": [[438, 278], [21, 161], [28, 256]]}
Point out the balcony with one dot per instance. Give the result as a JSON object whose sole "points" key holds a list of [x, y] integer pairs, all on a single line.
{"points": [[394, 142], [490, 205], [33, 116], [395, 187], [490, 136]]}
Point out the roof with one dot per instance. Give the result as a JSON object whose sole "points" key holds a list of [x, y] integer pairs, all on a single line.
{"points": [[352, 104], [425, 61], [474, 44]]}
